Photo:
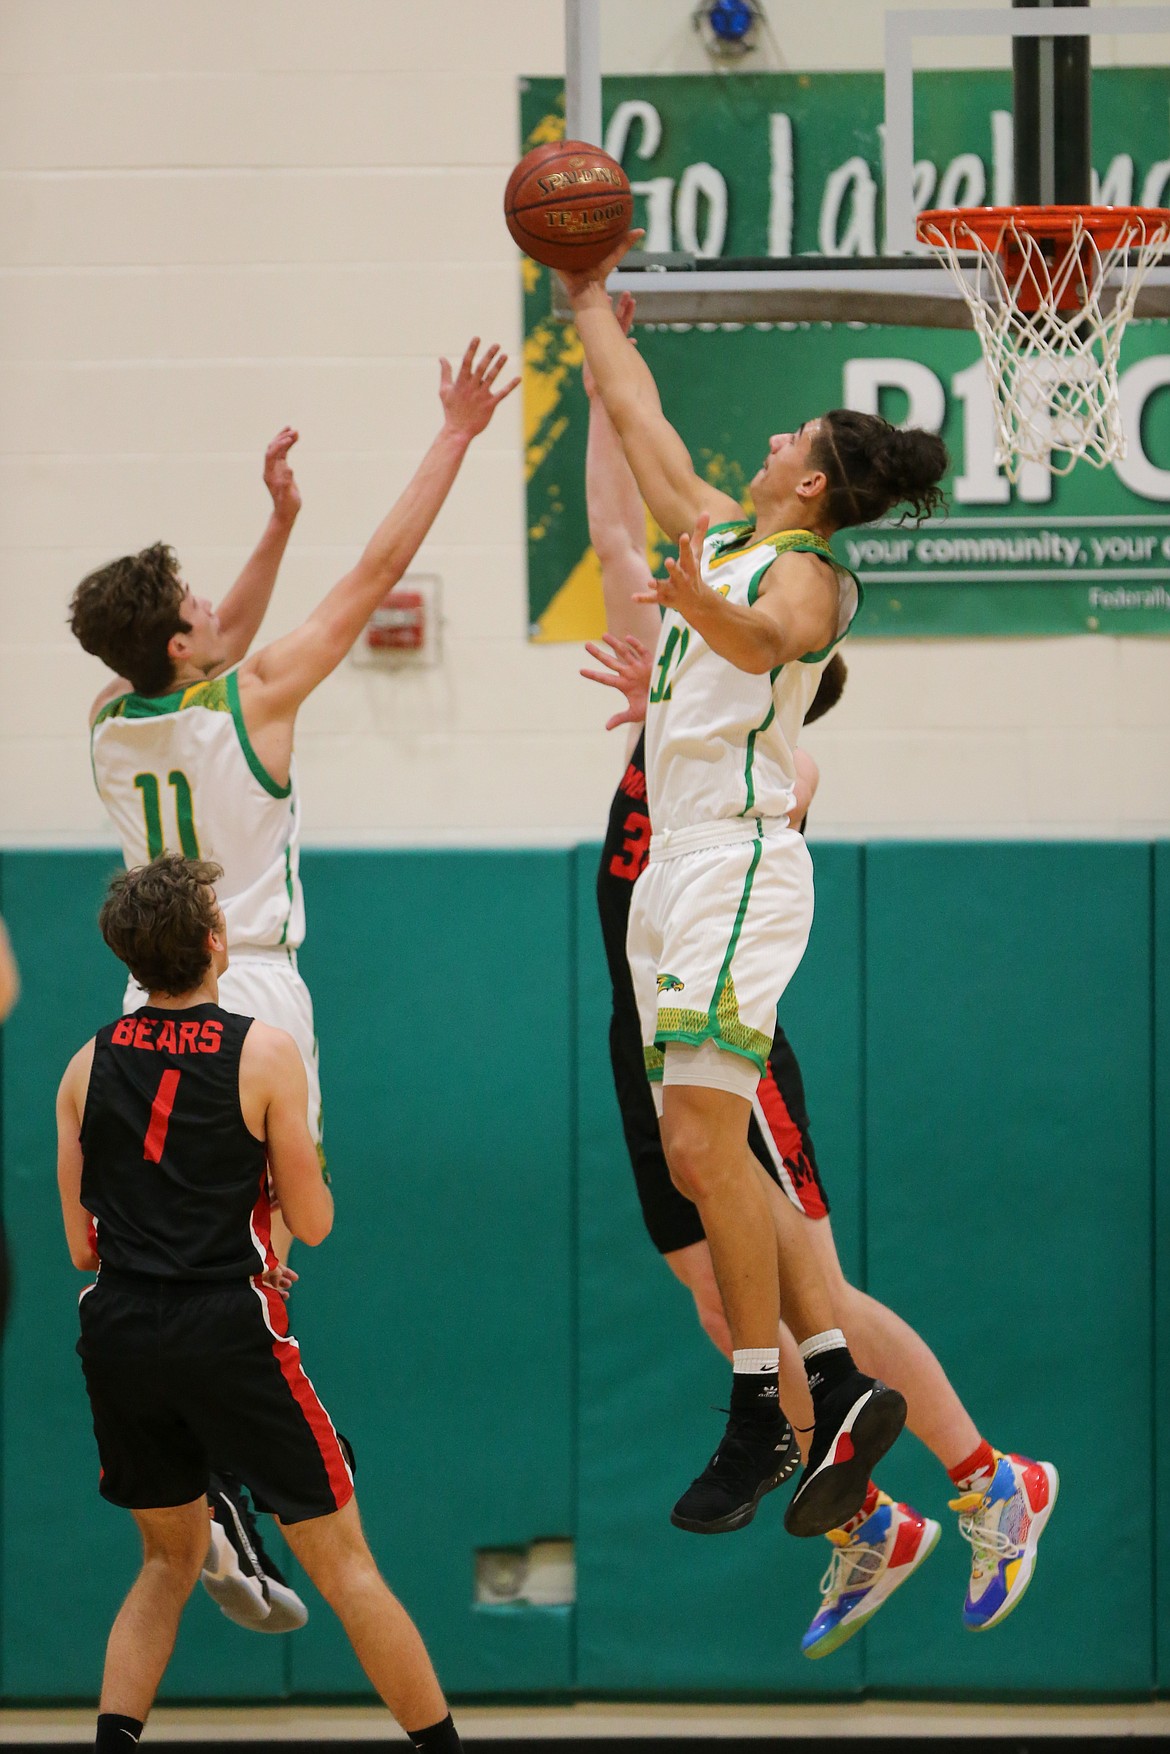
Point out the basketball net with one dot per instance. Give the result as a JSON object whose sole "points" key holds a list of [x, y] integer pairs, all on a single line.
{"points": [[1050, 291]]}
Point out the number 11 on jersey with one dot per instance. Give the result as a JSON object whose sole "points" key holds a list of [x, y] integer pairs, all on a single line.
{"points": [[147, 784]]}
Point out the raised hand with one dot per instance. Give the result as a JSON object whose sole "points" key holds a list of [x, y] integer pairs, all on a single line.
{"points": [[682, 588], [278, 476], [469, 399], [628, 670], [623, 310], [577, 283]]}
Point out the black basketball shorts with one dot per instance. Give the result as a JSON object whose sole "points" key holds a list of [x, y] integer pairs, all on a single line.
{"points": [[181, 1375], [778, 1133]]}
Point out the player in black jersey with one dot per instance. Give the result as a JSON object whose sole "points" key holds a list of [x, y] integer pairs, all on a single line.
{"points": [[170, 1121], [883, 1544]]}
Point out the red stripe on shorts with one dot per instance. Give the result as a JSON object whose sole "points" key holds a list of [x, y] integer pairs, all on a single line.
{"points": [[789, 1141], [288, 1355]]}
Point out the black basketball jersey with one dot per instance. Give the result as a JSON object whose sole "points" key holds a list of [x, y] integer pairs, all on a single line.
{"points": [[176, 1182]]}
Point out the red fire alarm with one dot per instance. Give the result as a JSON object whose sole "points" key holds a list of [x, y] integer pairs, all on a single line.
{"points": [[399, 623]]}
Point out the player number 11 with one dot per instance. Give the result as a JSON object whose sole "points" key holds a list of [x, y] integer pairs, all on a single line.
{"points": [[147, 784]]}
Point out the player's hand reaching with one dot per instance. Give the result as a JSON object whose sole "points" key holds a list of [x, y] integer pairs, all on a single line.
{"points": [[576, 285], [623, 310], [280, 1279], [628, 670], [683, 588], [470, 399], [278, 476]]}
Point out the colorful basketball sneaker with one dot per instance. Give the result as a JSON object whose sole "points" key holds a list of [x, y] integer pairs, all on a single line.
{"points": [[1004, 1522], [866, 1568]]}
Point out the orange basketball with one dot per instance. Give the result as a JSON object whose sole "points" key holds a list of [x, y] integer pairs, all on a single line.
{"points": [[567, 204]]}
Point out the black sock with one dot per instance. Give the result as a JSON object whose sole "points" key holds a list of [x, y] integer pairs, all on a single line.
{"points": [[116, 1735], [440, 1738], [828, 1370], [755, 1395]]}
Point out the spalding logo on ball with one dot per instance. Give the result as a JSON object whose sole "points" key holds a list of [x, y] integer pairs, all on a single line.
{"points": [[567, 204]]}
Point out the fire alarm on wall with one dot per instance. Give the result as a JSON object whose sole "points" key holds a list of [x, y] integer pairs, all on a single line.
{"points": [[404, 628]]}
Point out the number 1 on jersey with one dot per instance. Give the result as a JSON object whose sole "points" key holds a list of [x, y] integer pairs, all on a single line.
{"points": [[160, 1115]]}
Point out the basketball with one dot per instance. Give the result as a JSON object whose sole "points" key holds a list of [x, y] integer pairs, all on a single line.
{"points": [[567, 204]]}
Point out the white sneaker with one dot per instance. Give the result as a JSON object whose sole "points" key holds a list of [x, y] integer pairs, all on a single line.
{"points": [[237, 1573]]}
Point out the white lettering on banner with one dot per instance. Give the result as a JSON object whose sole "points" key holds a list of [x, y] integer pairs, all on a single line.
{"points": [[658, 192], [865, 379], [964, 182], [1154, 187], [780, 207], [1115, 188], [1136, 387], [980, 482], [851, 185], [702, 180]]}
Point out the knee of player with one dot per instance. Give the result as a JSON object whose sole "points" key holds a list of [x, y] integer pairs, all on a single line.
{"points": [[695, 1165], [180, 1556]]}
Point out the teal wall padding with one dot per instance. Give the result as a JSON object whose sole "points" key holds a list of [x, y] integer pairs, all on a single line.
{"points": [[440, 1309], [984, 1032], [1008, 1218], [68, 1556], [1160, 1252], [659, 1610]]}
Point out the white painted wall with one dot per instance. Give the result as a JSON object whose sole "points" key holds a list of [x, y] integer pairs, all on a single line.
{"points": [[220, 215]]}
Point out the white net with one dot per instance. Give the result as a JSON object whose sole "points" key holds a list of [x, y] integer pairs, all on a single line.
{"points": [[1050, 315]]}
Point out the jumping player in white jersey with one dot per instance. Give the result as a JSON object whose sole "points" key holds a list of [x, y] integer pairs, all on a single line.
{"points": [[192, 751], [1004, 1499], [720, 919]]}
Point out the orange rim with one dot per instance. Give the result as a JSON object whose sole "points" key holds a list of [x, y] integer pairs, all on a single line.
{"points": [[992, 225]]}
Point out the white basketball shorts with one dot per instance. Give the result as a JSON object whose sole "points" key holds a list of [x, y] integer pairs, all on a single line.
{"points": [[719, 921], [266, 984]]}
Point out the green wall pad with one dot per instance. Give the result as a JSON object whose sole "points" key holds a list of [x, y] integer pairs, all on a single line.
{"points": [[660, 1611], [1008, 1201], [436, 1321], [68, 1556], [1160, 1527]]}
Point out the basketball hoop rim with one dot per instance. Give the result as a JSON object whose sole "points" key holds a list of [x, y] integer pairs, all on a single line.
{"points": [[1108, 226]]}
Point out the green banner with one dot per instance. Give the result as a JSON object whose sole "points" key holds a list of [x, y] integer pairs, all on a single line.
{"points": [[789, 164]]}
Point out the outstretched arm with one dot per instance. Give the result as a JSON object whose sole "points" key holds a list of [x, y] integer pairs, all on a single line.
{"points": [[617, 516], [290, 668], [662, 466], [243, 609]]}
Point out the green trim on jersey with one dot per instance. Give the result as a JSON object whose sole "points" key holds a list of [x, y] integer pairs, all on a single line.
{"points": [[739, 524], [655, 1060], [748, 776], [259, 771], [721, 1024], [212, 694], [815, 657]]}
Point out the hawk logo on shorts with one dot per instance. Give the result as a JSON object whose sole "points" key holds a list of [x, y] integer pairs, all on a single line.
{"points": [[669, 983]]}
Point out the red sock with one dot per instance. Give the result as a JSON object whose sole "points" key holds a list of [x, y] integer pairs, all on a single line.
{"points": [[980, 1461], [868, 1507]]}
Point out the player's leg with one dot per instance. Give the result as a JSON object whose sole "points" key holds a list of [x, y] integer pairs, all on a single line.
{"points": [[704, 1134], [174, 1541], [386, 1642]]}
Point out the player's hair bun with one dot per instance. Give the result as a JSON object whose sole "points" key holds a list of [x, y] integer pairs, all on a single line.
{"points": [[872, 466]]}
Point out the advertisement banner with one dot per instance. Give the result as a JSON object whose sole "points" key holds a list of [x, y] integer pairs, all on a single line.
{"points": [[790, 164]]}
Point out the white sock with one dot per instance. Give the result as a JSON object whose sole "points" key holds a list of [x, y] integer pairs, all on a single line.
{"points": [[756, 1360], [826, 1342]]}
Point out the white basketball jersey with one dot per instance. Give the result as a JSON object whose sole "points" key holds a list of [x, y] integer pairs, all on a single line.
{"points": [[719, 742], [177, 774]]}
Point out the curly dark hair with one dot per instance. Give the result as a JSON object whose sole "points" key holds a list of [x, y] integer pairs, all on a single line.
{"points": [[872, 466], [830, 688], [156, 918], [125, 614]]}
